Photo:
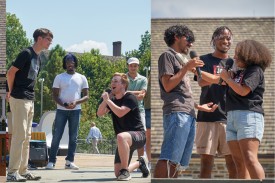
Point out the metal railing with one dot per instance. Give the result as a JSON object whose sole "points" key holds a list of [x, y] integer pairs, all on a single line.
{"points": [[104, 147]]}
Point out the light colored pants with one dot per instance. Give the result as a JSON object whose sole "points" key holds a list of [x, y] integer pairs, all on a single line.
{"points": [[95, 149], [9, 115], [211, 138], [22, 116]]}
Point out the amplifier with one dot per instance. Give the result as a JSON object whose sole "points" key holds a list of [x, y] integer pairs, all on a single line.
{"points": [[38, 153]]}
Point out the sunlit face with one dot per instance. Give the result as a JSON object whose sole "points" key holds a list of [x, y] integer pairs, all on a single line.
{"points": [[223, 41], [46, 42], [184, 44], [70, 66], [116, 84], [133, 68]]}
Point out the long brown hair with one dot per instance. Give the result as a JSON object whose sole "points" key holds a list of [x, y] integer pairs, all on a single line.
{"points": [[252, 52]]}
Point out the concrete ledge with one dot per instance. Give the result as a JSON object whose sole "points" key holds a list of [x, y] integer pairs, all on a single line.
{"points": [[153, 180], [269, 180]]}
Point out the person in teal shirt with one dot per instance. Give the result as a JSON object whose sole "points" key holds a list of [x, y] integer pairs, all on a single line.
{"points": [[138, 87]]}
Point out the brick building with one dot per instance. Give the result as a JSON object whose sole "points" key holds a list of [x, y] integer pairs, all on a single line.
{"points": [[2, 57], [2, 36], [260, 29], [2, 80]]}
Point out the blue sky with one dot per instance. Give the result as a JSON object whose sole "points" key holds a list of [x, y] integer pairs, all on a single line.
{"points": [[84, 24], [211, 8]]}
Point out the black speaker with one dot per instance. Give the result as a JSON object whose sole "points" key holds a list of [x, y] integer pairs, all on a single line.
{"points": [[38, 153]]}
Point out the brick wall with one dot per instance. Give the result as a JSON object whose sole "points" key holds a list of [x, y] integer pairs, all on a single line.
{"points": [[2, 36], [219, 170], [2, 54], [260, 29]]}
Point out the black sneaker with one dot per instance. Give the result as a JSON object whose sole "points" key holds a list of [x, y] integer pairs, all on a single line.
{"points": [[30, 176], [15, 177], [124, 175], [143, 166]]}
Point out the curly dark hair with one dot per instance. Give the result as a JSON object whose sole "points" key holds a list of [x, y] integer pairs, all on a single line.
{"points": [[218, 32], [252, 52], [179, 31]]}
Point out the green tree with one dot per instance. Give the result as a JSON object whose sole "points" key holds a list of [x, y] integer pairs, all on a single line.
{"points": [[53, 67], [98, 71], [97, 68], [16, 38], [145, 44], [143, 54]]}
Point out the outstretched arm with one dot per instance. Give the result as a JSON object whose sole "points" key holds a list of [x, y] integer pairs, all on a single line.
{"points": [[209, 107]]}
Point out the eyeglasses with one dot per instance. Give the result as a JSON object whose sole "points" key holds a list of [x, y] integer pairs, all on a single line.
{"points": [[222, 37], [189, 39]]}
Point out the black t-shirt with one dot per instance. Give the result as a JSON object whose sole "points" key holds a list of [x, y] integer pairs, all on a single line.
{"points": [[253, 77], [132, 120], [29, 65], [213, 93]]}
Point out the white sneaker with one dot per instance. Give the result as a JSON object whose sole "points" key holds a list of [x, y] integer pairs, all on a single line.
{"points": [[50, 166], [15, 177], [71, 165]]}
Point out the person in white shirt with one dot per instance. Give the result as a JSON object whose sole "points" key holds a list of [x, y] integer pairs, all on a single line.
{"points": [[96, 137], [70, 89]]}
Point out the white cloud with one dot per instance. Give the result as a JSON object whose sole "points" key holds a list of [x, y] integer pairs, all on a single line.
{"points": [[86, 46]]}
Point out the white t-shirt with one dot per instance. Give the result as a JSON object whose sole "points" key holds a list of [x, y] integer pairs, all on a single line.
{"points": [[70, 87]]}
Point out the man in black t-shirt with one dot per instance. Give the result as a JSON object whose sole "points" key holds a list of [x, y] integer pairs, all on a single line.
{"points": [[21, 79], [128, 127], [211, 127]]}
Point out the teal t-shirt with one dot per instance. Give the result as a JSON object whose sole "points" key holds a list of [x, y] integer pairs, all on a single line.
{"points": [[138, 84]]}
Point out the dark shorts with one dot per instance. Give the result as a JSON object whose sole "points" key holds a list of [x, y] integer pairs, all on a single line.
{"points": [[138, 141], [148, 118]]}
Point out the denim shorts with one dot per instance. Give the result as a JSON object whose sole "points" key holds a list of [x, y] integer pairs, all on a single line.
{"points": [[178, 138], [243, 124]]}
